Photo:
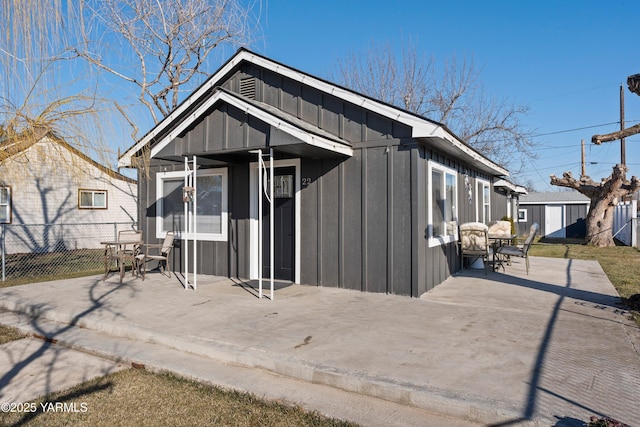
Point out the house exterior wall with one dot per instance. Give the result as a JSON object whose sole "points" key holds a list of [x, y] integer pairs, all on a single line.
{"points": [[45, 180], [363, 219]]}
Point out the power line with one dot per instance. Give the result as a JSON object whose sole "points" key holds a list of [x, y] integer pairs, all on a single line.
{"points": [[575, 129], [562, 131]]}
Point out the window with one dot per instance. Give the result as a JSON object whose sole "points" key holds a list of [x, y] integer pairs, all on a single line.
{"points": [[483, 209], [211, 203], [5, 205], [442, 210], [522, 215], [92, 199]]}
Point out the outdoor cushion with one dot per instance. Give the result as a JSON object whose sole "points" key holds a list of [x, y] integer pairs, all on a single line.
{"points": [[511, 250]]}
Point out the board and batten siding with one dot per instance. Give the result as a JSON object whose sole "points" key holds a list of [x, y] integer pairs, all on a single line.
{"points": [[356, 221]]}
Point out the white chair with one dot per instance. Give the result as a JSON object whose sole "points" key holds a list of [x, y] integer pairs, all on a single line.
{"points": [[125, 249], [522, 252], [474, 242]]}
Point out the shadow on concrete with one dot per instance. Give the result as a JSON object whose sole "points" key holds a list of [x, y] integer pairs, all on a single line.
{"points": [[534, 387], [98, 302]]}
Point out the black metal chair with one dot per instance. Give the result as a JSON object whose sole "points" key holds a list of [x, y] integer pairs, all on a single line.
{"points": [[522, 252]]}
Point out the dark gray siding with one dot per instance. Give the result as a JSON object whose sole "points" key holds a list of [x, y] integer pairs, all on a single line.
{"points": [[498, 205], [350, 122], [535, 214], [219, 258], [576, 225], [356, 221], [576, 214]]}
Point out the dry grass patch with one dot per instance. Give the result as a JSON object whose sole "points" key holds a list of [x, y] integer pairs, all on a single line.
{"points": [[8, 333], [136, 397]]}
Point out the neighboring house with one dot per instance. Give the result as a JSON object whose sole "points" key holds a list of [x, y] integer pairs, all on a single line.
{"points": [[50, 182], [560, 214], [367, 196]]}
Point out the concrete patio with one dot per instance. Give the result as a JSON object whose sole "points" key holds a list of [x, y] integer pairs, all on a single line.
{"points": [[551, 348]]}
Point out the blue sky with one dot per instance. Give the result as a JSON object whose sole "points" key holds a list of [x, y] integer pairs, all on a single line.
{"points": [[564, 59]]}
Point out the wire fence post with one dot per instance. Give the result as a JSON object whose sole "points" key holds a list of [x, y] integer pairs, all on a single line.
{"points": [[4, 273]]}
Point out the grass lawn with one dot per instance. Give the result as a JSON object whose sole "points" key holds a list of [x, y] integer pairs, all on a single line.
{"points": [[621, 264], [138, 398]]}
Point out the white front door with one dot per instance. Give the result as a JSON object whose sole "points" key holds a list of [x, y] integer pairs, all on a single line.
{"points": [[554, 225]]}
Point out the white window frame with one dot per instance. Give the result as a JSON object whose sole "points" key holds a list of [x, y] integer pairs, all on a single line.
{"points": [[93, 198], [7, 206], [180, 234], [481, 202], [524, 217], [441, 239]]}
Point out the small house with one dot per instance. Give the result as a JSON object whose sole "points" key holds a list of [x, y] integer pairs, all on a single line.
{"points": [[361, 194]]}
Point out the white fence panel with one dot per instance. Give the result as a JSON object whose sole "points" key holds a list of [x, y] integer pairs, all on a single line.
{"points": [[624, 227]]}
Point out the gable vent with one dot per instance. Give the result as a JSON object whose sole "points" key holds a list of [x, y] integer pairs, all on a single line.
{"points": [[248, 88]]}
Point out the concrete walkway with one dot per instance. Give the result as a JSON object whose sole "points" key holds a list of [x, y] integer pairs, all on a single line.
{"points": [[550, 348]]}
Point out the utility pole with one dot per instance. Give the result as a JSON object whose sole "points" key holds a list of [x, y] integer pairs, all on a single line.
{"points": [[623, 155], [584, 158]]}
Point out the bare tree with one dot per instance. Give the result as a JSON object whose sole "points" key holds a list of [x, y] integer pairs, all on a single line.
{"points": [[604, 198], [163, 47], [451, 94], [606, 194], [34, 97]]}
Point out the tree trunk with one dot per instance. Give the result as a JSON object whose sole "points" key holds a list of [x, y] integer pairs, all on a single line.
{"points": [[600, 222], [604, 197]]}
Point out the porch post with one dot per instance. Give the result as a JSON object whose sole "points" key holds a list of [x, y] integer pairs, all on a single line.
{"points": [[195, 223], [185, 223], [260, 223], [271, 221]]}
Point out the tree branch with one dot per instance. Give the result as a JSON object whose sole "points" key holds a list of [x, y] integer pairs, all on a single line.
{"points": [[599, 139]]}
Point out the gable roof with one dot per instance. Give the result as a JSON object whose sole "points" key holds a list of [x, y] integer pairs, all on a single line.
{"points": [[190, 110], [11, 149], [285, 122]]}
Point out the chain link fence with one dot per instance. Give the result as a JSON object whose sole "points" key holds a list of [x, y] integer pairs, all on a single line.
{"points": [[55, 250]]}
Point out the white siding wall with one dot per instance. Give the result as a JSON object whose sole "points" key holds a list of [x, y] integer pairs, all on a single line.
{"points": [[45, 180]]}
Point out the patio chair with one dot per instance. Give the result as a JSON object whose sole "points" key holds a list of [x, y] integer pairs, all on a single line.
{"points": [[163, 249], [474, 242], [522, 252], [126, 248]]}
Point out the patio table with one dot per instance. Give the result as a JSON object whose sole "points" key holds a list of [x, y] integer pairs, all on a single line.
{"points": [[498, 240], [118, 250]]}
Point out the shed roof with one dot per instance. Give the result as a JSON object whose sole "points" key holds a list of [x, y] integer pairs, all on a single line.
{"points": [[423, 129], [556, 197]]}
